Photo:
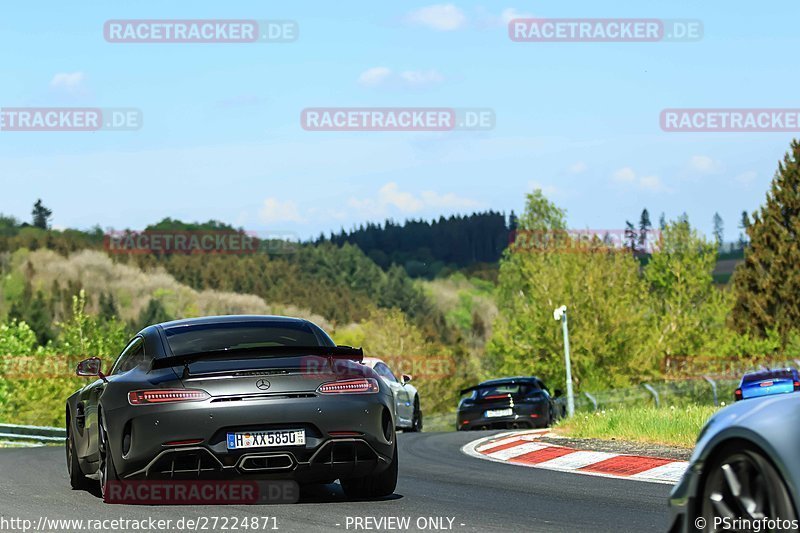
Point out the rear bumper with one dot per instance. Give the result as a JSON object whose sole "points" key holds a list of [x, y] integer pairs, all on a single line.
{"points": [[333, 459], [345, 436], [524, 416]]}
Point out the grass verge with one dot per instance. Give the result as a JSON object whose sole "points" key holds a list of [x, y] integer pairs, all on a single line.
{"points": [[671, 426], [439, 422]]}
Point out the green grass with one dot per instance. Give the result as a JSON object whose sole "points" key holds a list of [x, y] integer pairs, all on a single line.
{"points": [[672, 426], [439, 422]]}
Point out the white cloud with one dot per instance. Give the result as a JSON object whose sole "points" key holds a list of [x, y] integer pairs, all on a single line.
{"points": [[72, 83], [440, 17], [704, 164], [627, 176], [579, 167], [390, 198], [409, 79], [448, 200], [746, 177], [652, 183], [390, 194], [420, 78], [67, 79], [375, 76], [275, 210]]}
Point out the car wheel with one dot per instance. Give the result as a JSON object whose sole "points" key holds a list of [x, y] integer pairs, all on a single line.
{"points": [[743, 483], [77, 480], [416, 421], [107, 470], [371, 487]]}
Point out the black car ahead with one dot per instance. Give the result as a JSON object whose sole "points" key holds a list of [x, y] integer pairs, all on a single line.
{"points": [[253, 397], [506, 403]]}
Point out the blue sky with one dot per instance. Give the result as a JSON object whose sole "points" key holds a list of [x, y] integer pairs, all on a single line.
{"points": [[222, 137]]}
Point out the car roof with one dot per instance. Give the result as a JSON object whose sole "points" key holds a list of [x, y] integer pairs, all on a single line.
{"points": [[223, 319], [767, 374]]}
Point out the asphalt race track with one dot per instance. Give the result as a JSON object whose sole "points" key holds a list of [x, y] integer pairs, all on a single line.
{"points": [[436, 480]]}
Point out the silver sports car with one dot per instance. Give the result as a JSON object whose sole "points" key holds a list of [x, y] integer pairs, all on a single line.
{"points": [[251, 397], [408, 415], [744, 474]]}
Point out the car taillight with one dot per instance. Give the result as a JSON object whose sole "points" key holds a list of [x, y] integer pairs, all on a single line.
{"points": [[797, 385], [737, 394], [143, 397], [497, 396], [350, 386]]}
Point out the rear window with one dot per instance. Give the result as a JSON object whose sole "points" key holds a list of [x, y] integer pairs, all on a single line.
{"points": [[200, 338], [514, 389], [772, 374]]}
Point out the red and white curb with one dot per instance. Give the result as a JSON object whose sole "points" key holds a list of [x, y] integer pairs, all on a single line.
{"points": [[523, 448]]}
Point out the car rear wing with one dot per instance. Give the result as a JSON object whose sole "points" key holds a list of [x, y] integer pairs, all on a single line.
{"points": [[331, 352], [490, 385]]}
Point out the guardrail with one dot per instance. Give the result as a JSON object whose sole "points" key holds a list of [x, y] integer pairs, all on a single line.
{"points": [[42, 434]]}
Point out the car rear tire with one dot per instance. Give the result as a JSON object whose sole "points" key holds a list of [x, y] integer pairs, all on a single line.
{"points": [[108, 471], [77, 480], [742, 482], [371, 487], [416, 421]]}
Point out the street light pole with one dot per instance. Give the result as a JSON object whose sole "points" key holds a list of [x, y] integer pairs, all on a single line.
{"points": [[561, 314]]}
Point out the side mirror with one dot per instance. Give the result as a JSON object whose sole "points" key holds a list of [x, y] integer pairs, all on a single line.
{"points": [[406, 378], [90, 367], [558, 393]]}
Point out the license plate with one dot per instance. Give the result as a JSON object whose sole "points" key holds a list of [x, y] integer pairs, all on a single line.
{"points": [[767, 384], [266, 439], [491, 413]]}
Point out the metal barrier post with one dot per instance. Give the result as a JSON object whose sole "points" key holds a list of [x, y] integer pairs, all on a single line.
{"points": [[713, 389], [591, 399], [654, 393]]}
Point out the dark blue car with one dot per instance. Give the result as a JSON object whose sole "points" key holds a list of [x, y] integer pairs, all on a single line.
{"points": [[767, 382]]}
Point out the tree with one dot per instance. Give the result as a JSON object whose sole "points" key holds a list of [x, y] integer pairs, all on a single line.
{"points": [[662, 221], [41, 215], [743, 225], [767, 283], [630, 235], [644, 229], [687, 310], [35, 312], [603, 291], [108, 306], [719, 229], [154, 313]]}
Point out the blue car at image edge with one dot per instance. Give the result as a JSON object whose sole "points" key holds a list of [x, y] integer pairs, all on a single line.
{"points": [[767, 382]]}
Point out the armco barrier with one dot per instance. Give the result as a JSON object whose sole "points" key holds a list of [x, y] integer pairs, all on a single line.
{"points": [[42, 434]]}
